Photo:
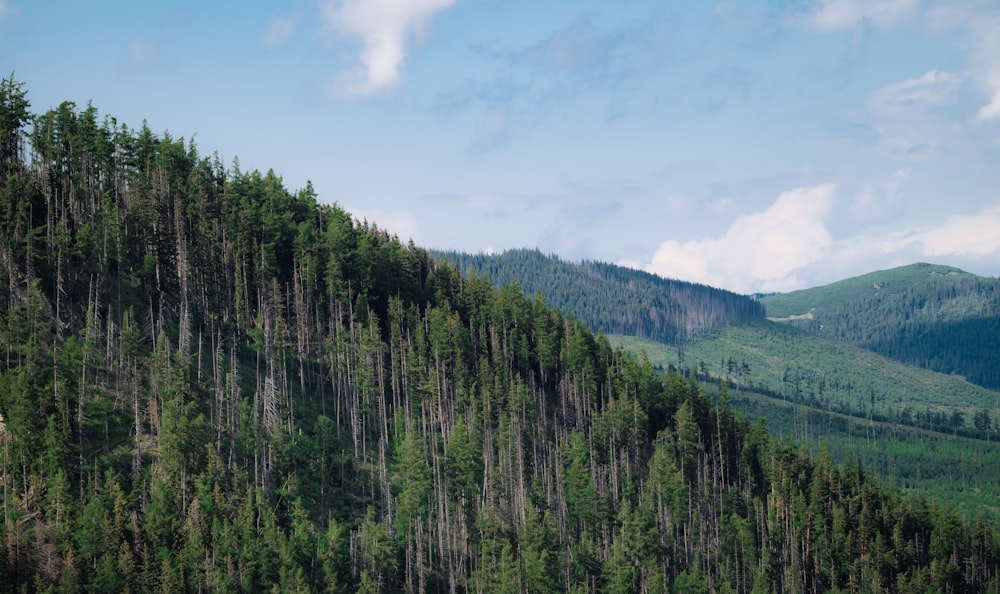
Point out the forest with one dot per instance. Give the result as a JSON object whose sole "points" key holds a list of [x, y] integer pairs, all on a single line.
{"points": [[908, 425], [932, 316], [211, 383], [613, 299]]}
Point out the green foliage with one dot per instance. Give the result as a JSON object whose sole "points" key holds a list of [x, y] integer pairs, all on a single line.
{"points": [[612, 299], [936, 317], [793, 365], [210, 383], [859, 406]]}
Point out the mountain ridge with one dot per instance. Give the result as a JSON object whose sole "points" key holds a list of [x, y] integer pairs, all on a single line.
{"points": [[613, 299]]}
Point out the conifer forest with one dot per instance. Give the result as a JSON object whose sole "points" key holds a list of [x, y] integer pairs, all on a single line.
{"points": [[209, 382]]}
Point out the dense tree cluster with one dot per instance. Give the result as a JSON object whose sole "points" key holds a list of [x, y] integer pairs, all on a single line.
{"points": [[208, 383], [931, 316], [613, 299]]}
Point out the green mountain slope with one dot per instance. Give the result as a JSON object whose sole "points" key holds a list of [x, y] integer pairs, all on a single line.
{"points": [[826, 374], [936, 317], [210, 383], [613, 299], [909, 424]]}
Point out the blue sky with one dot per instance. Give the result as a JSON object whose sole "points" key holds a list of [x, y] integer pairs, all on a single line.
{"points": [[756, 146]]}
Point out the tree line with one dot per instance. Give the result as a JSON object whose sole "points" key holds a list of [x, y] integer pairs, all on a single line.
{"points": [[613, 299]]}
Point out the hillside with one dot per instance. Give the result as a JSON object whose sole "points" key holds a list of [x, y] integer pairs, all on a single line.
{"points": [[830, 375], [936, 317], [814, 370], [912, 426], [211, 383], [613, 299]]}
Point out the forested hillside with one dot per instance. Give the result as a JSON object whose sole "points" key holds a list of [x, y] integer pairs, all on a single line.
{"points": [[935, 317], [613, 299], [829, 375], [931, 433], [210, 383]]}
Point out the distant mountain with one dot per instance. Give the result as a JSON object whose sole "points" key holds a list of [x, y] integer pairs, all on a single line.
{"points": [[613, 299], [797, 366], [936, 317]]}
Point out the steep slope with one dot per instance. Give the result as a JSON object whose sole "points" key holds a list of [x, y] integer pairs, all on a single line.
{"points": [[936, 317], [613, 299], [209, 383]]}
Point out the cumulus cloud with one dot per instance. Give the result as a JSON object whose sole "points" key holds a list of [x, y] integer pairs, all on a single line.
{"points": [[384, 29], [991, 110], [840, 15], [962, 235], [964, 240], [790, 245], [761, 251], [279, 30]]}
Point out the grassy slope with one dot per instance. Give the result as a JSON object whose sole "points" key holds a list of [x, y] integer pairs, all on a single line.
{"points": [[959, 470], [935, 317], [883, 282], [949, 467], [825, 372]]}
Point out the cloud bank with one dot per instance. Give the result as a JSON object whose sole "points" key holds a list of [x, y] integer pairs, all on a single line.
{"points": [[761, 251], [790, 246], [384, 29]]}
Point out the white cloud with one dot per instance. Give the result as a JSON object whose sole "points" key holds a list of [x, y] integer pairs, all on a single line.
{"points": [[789, 245], [964, 240], [760, 251], [3, 8], [384, 29], [921, 117], [840, 15], [962, 235], [991, 110], [934, 88], [279, 30]]}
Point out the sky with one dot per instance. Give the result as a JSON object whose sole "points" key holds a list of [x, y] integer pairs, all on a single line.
{"points": [[756, 146]]}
